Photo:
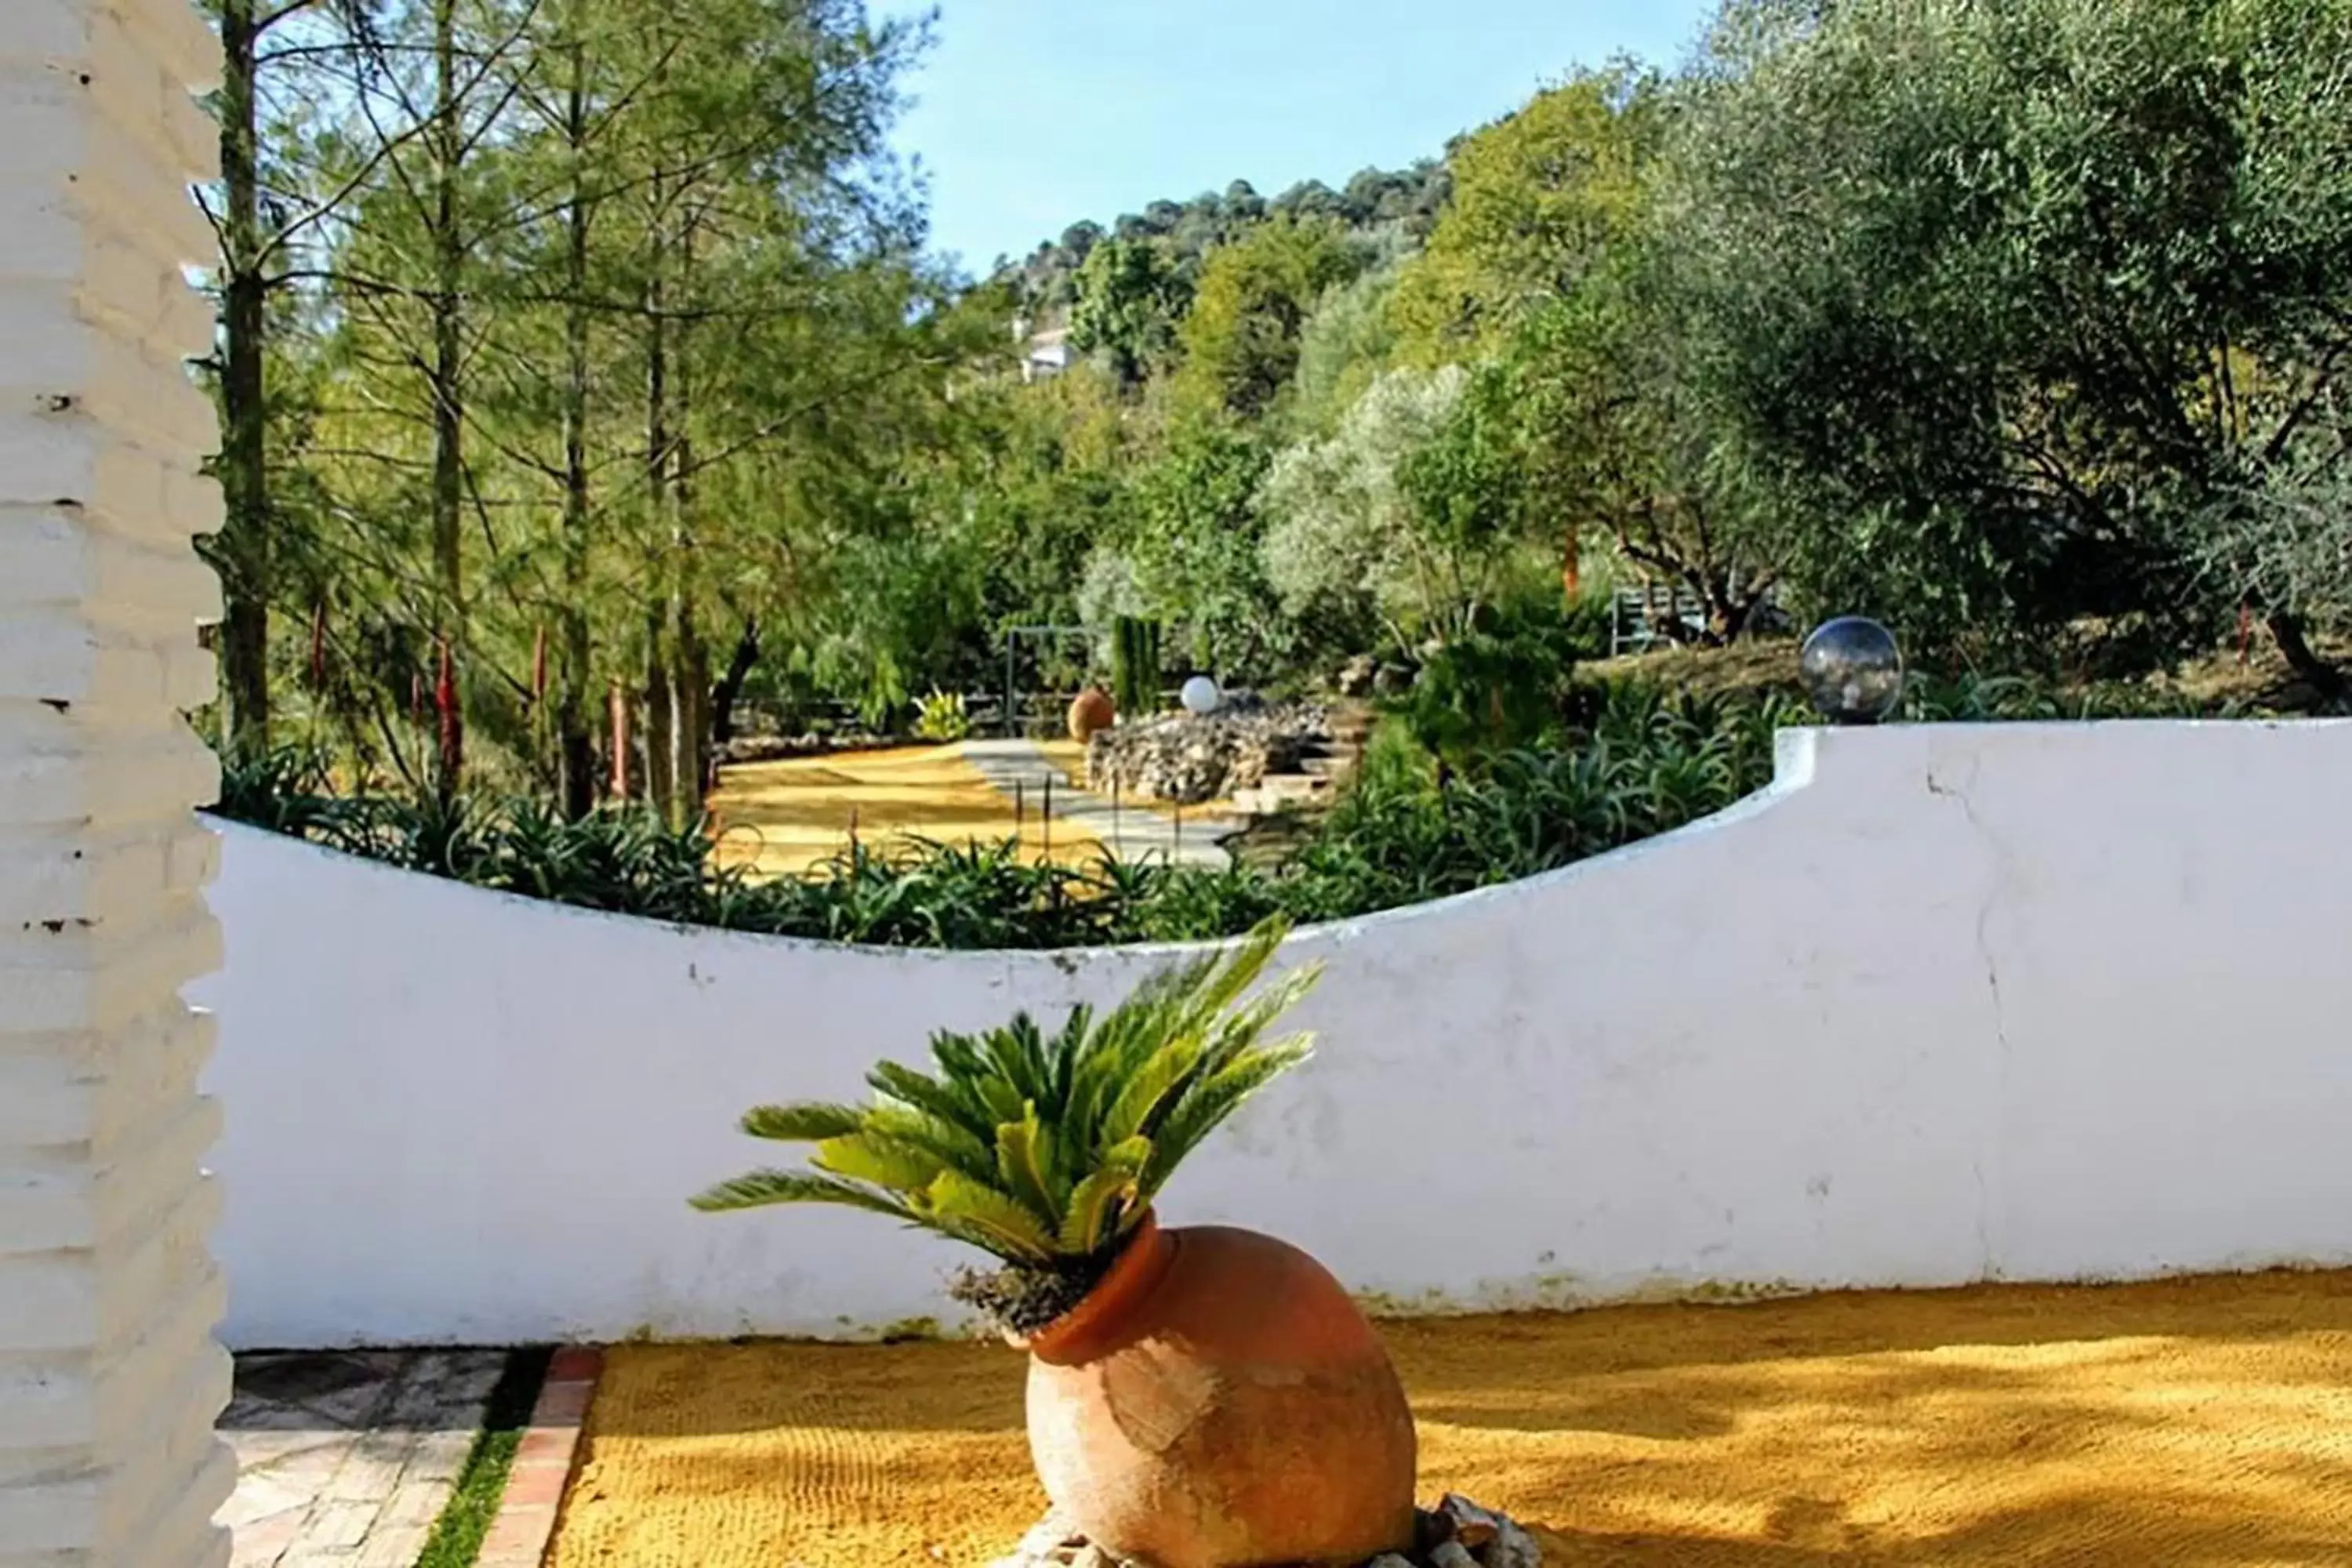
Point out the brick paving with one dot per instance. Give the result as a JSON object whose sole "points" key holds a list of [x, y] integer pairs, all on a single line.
{"points": [[345, 1459]]}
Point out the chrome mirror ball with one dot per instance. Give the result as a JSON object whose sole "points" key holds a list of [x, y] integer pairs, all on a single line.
{"points": [[1853, 670]]}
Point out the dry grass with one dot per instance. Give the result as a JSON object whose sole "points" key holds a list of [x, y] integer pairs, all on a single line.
{"points": [[2258, 676], [2255, 676], [2204, 1422], [1764, 664]]}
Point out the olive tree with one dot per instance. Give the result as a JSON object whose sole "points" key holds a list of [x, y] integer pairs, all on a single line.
{"points": [[1402, 521], [2014, 302]]}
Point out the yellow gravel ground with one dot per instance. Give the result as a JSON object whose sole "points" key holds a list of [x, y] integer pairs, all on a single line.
{"points": [[784, 819], [2193, 1423]]}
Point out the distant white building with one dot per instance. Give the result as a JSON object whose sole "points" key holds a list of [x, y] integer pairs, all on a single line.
{"points": [[1048, 353]]}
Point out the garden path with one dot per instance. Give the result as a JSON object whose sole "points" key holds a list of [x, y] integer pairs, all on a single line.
{"points": [[788, 818], [345, 1459], [1129, 832]]}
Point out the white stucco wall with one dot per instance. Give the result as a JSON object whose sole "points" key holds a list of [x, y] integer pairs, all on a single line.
{"points": [[1949, 1004]]}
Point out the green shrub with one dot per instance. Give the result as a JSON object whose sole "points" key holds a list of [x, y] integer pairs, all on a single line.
{"points": [[941, 717], [1501, 686]]}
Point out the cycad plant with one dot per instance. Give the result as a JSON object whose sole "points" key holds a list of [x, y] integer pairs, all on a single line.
{"points": [[1045, 1150]]}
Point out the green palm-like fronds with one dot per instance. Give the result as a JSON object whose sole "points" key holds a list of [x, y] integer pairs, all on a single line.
{"points": [[1045, 1148]]}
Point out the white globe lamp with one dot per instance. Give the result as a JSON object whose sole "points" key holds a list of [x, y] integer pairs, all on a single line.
{"points": [[1201, 696]]}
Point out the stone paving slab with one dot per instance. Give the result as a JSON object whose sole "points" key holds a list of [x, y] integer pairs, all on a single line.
{"points": [[1132, 833], [345, 1457]]}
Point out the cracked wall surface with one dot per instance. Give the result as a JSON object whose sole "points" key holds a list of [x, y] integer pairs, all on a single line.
{"points": [[1949, 1003], [110, 1373]]}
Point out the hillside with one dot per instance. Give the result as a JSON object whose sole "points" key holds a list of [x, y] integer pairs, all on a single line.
{"points": [[1386, 207]]}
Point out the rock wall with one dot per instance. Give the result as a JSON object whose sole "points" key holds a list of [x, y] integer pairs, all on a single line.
{"points": [[1189, 760]]}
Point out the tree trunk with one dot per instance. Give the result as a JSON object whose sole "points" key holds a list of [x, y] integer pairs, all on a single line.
{"points": [[618, 701], [689, 715], [576, 744], [448, 392], [661, 784], [690, 659], [723, 697], [2326, 681], [662, 721], [1729, 610], [243, 550]]}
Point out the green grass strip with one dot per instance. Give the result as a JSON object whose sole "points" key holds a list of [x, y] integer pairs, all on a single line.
{"points": [[457, 1534]]}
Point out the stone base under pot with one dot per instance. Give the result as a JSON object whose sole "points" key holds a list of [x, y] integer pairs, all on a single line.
{"points": [[1457, 1534]]}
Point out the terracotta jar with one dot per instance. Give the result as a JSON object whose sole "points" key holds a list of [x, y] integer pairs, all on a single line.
{"points": [[1090, 711], [1218, 1402]]}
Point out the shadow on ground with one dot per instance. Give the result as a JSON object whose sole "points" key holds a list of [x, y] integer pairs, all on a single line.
{"points": [[2204, 1422]]}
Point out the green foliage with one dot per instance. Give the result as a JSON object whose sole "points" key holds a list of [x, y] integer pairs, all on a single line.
{"points": [[1241, 340], [1501, 686], [1045, 1150], [1398, 205], [1465, 485], [1346, 343], [991, 524], [1539, 198], [1403, 522], [1988, 318], [1135, 666], [2011, 297], [1193, 547], [2280, 540], [559, 367], [1128, 301], [1603, 400], [940, 717]]}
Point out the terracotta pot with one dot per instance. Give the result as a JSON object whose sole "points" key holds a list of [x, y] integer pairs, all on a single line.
{"points": [[1090, 711], [1218, 1402]]}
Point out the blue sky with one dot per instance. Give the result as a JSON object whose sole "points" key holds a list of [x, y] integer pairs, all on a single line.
{"points": [[1035, 113]]}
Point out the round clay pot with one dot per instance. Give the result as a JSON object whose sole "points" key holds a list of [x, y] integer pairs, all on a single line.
{"points": [[1091, 710], [1218, 1402]]}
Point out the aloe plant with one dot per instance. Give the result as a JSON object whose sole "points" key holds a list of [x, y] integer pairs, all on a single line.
{"points": [[1045, 1150]]}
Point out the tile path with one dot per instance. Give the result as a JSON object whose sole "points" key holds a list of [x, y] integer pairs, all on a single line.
{"points": [[345, 1459], [1134, 834]]}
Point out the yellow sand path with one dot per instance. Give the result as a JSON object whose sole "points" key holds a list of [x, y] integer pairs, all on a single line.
{"points": [[2203, 1422], [784, 819]]}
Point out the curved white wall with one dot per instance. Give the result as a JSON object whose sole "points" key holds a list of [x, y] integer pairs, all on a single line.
{"points": [[1947, 1003]]}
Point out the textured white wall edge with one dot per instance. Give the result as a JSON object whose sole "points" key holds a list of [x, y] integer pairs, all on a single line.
{"points": [[1946, 1003], [110, 1374]]}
